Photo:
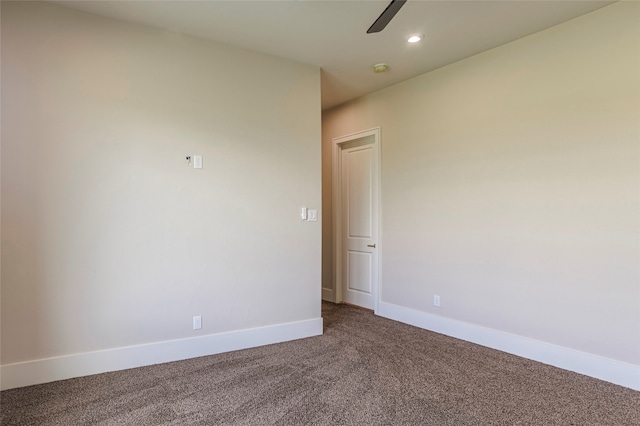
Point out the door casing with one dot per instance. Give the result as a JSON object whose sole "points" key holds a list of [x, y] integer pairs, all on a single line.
{"points": [[337, 212]]}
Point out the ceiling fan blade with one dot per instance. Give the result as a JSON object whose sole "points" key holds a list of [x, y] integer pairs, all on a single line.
{"points": [[386, 16]]}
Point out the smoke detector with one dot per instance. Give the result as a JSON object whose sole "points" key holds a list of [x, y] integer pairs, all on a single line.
{"points": [[380, 68]]}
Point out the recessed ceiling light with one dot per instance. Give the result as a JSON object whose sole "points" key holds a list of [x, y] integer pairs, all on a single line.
{"points": [[415, 38]]}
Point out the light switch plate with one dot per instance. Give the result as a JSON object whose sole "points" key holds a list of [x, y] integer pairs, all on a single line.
{"points": [[303, 213], [197, 161], [313, 216]]}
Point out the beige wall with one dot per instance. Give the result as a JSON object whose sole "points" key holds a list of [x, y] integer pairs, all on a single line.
{"points": [[109, 238], [511, 186]]}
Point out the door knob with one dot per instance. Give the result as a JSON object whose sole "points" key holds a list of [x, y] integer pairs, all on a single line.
{"points": [[371, 245]]}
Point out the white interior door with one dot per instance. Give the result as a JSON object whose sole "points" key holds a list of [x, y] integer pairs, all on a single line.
{"points": [[359, 219]]}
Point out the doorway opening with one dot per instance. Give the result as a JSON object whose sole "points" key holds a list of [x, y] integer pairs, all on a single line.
{"points": [[356, 216]]}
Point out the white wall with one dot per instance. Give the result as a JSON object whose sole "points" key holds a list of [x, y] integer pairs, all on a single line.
{"points": [[109, 238], [511, 187]]}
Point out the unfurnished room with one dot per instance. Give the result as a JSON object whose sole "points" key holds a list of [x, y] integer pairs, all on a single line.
{"points": [[316, 212]]}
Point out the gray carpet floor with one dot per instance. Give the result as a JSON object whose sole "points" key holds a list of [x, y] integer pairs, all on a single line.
{"points": [[364, 370]]}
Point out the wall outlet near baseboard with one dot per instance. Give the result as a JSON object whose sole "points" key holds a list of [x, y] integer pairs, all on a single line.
{"points": [[197, 322], [436, 300]]}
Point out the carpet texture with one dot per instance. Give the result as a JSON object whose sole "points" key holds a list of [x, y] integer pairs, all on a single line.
{"points": [[364, 370]]}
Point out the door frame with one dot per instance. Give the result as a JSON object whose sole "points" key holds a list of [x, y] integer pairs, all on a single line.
{"points": [[336, 165]]}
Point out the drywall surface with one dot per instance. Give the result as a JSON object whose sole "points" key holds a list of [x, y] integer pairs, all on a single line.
{"points": [[110, 238], [511, 186]]}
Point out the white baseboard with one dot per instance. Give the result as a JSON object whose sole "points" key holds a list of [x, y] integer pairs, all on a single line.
{"points": [[328, 294], [84, 364], [620, 373]]}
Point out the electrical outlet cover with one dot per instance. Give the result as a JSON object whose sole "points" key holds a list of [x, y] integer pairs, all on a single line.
{"points": [[197, 322]]}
